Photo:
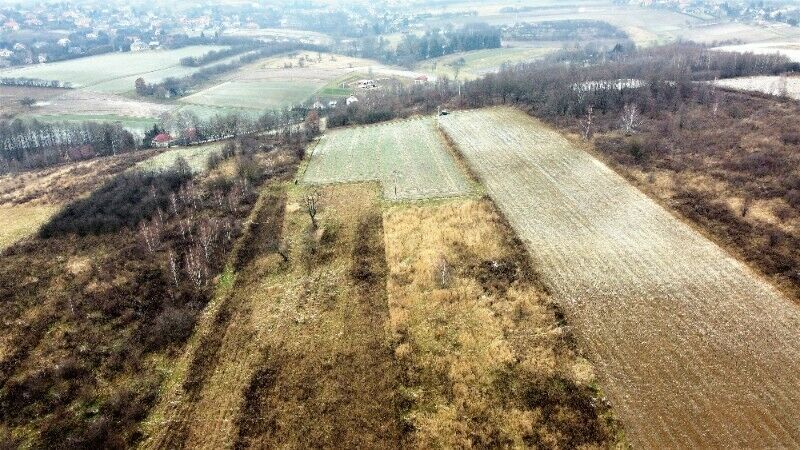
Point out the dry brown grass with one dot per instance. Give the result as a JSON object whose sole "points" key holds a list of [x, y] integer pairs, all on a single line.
{"points": [[485, 362], [304, 359]]}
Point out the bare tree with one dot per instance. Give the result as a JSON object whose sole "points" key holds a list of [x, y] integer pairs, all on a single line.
{"points": [[587, 123], [630, 119], [311, 207]]}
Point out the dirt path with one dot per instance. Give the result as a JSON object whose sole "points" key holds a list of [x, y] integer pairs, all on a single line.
{"points": [[693, 348]]}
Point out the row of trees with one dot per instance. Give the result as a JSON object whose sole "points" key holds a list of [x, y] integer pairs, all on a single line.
{"points": [[214, 55], [176, 87], [34, 82], [432, 44], [568, 83], [34, 144]]}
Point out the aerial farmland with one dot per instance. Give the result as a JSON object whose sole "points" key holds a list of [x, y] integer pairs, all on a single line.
{"points": [[527, 224], [407, 157], [628, 275]]}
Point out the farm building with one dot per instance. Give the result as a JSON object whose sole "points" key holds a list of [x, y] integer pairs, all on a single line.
{"points": [[352, 99], [422, 79], [317, 105], [162, 140], [332, 104]]}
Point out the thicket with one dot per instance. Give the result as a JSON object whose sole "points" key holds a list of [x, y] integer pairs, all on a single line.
{"points": [[98, 308]]}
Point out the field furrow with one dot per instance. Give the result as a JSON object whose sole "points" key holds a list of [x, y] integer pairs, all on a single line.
{"points": [[694, 349]]}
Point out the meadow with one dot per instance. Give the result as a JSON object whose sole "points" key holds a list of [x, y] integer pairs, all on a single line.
{"points": [[196, 156], [480, 62], [663, 309], [407, 157], [114, 72], [285, 80]]}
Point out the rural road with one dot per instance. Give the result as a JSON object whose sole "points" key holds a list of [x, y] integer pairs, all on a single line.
{"points": [[692, 348]]}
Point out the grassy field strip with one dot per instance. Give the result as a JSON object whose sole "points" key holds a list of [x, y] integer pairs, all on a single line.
{"points": [[196, 156], [694, 349], [407, 157], [95, 70], [480, 62], [485, 360], [301, 353], [17, 222]]}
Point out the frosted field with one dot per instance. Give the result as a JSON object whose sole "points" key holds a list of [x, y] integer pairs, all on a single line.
{"points": [[115, 72], [772, 85], [693, 349], [407, 157], [789, 49]]}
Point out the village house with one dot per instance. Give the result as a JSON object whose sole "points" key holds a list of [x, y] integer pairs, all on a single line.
{"points": [[138, 46], [161, 140], [352, 99]]}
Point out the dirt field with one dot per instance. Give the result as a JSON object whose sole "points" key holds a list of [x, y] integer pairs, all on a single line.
{"points": [[693, 348], [406, 156]]}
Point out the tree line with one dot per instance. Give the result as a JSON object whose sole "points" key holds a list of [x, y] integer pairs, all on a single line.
{"points": [[35, 144], [568, 82], [433, 44], [176, 87]]}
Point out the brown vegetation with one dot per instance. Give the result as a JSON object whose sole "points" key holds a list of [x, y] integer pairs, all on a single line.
{"points": [[485, 361], [732, 170], [89, 319]]}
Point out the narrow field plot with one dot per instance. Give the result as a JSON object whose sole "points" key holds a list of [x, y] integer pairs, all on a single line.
{"points": [[480, 62], [772, 85], [407, 157], [196, 156], [17, 222], [692, 347], [255, 94], [94, 70]]}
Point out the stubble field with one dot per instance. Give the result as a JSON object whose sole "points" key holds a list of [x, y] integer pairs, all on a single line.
{"points": [[693, 348], [408, 157]]}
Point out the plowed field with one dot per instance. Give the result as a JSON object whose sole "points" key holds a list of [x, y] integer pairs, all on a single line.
{"points": [[693, 348]]}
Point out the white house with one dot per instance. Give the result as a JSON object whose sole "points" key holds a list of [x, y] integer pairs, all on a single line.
{"points": [[138, 46], [64, 42], [317, 105], [332, 104], [352, 99]]}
